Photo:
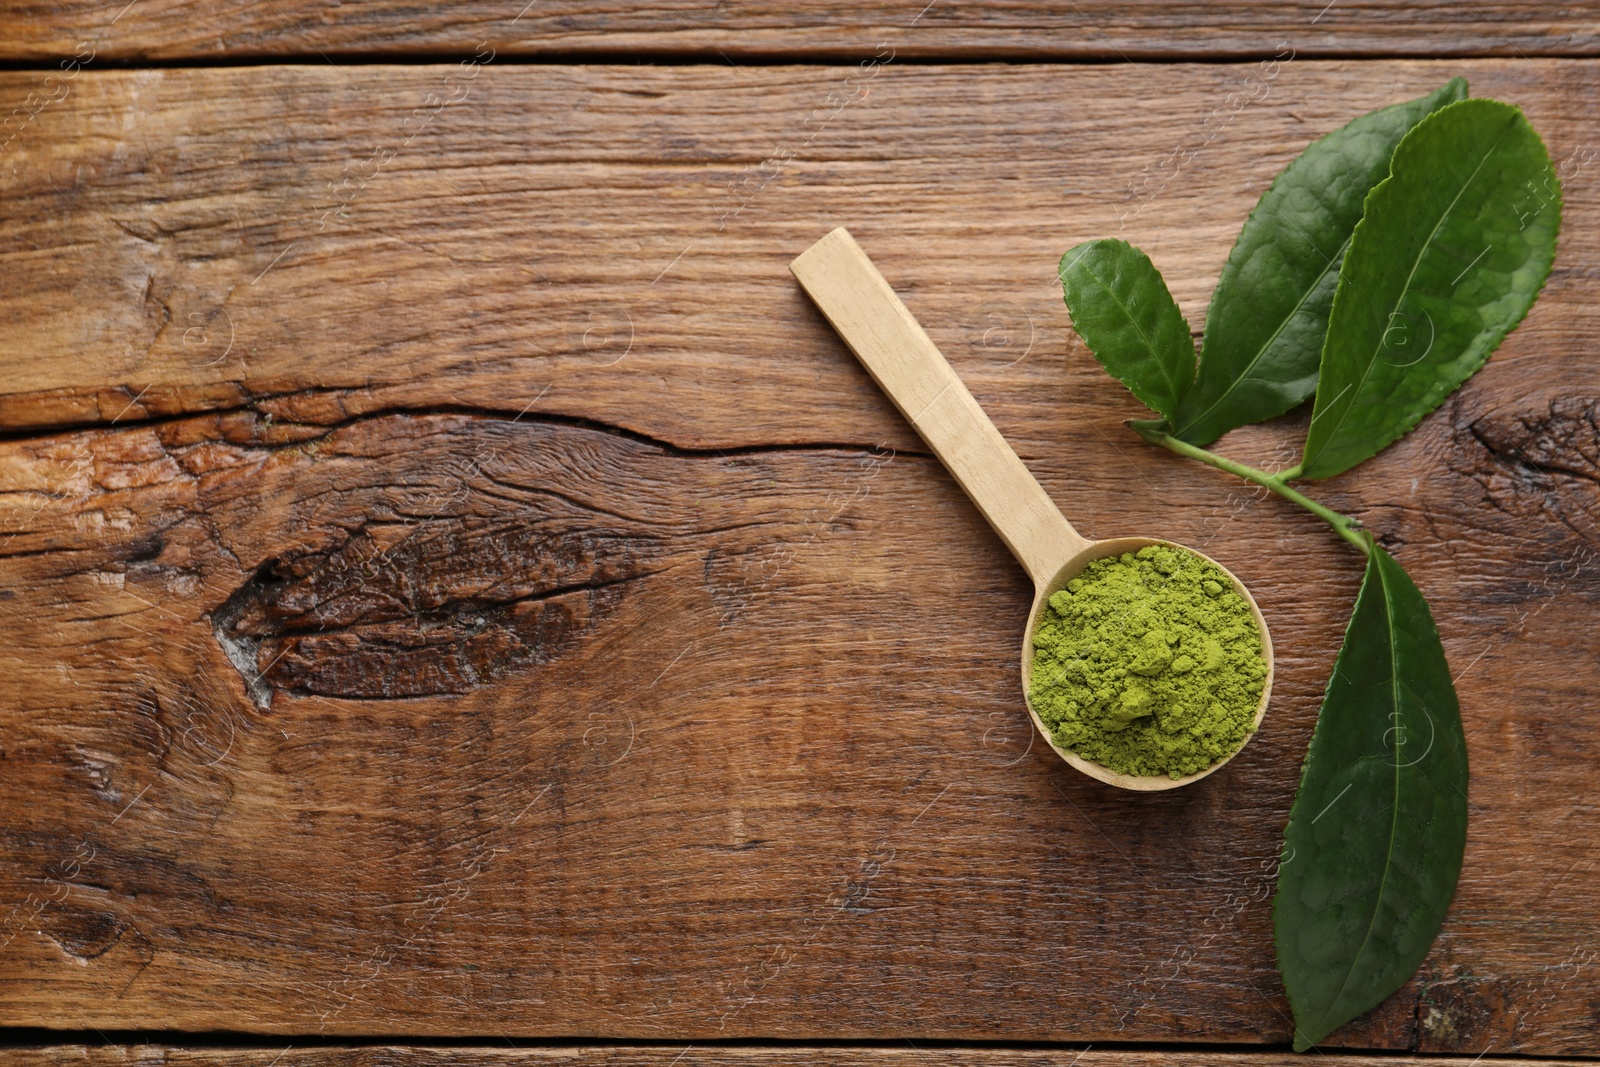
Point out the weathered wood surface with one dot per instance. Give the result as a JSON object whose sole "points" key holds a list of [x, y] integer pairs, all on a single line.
{"points": [[627, 670], [691, 1056], [1009, 29]]}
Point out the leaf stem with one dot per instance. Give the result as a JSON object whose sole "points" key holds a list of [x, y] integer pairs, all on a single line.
{"points": [[1343, 525]]}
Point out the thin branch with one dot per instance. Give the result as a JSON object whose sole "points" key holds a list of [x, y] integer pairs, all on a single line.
{"points": [[1345, 526]]}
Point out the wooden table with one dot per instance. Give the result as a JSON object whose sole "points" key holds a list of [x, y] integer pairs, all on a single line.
{"points": [[465, 606]]}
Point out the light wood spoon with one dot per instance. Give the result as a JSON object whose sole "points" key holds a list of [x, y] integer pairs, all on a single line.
{"points": [[904, 362]]}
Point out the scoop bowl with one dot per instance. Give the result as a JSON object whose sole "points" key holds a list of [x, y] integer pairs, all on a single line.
{"points": [[1069, 570]]}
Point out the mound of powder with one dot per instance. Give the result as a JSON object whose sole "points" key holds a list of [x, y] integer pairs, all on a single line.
{"points": [[1149, 663]]}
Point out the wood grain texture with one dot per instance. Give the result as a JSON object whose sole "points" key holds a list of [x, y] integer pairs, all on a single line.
{"points": [[169, 30], [152, 1055], [506, 608]]}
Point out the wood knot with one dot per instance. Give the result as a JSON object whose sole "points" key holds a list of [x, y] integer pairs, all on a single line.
{"points": [[1539, 472], [425, 608], [1541, 462]]}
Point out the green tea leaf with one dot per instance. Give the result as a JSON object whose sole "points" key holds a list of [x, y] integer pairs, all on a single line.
{"points": [[1121, 308], [1375, 836], [1449, 256], [1269, 312]]}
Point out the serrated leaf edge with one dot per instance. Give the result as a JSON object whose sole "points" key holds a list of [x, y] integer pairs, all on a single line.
{"points": [[1177, 391], [1433, 398], [1334, 264], [1301, 1042]]}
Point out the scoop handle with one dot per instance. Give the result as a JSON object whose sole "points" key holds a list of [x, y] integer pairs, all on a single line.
{"points": [[914, 373]]}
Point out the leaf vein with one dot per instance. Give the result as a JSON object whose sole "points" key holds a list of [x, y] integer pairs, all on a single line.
{"points": [[1394, 818], [1283, 325], [1372, 360], [1149, 344]]}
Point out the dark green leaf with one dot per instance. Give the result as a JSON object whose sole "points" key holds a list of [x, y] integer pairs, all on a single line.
{"points": [[1448, 257], [1269, 311], [1375, 836], [1121, 308]]}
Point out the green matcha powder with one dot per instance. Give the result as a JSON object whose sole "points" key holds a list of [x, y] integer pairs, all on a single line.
{"points": [[1148, 663]]}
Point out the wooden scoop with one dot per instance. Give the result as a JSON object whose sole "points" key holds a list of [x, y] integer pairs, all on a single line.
{"points": [[906, 365]]}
